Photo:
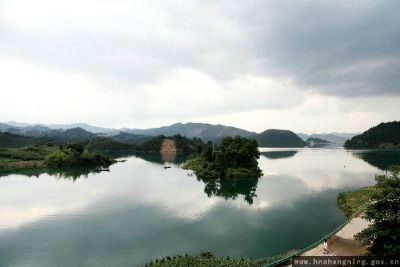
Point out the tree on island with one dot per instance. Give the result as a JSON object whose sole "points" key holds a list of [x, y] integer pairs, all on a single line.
{"points": [[230, 168], [76, 155], [383, 235], [237, 156]]}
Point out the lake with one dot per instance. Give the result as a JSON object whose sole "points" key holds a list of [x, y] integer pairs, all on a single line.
{"points": [[139, 211]]}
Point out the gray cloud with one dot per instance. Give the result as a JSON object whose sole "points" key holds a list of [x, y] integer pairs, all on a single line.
{"points": [[332, 47], [337, 48]]}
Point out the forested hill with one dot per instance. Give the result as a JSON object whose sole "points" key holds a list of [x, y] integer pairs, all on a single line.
{"points": [[384, 135], [182, 143], [205, 131], [130, 138], [279, 138], [13, 140]]}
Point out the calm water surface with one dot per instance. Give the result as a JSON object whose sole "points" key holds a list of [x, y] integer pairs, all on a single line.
{"points": [[139, 211]]}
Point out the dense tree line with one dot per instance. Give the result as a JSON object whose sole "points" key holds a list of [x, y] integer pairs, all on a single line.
{"points": [[13, 140], [75, 154], [182, 143], [101, 144], [383, 235], [384, 135]]}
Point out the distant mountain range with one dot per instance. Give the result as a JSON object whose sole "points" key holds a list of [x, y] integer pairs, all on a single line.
{"points": [[205, 131], [334, 138], [85, 126]]}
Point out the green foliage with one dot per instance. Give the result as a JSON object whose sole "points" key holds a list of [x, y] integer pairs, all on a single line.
{"points": [[279, 138], [352, 202], [234, 157], [206, 259], [182, 143], [237, 152], [35, 152], [12, 140], [154, 144], [208, 153], [229, 170], [74, 155], [77, 147], [130, 138], [384, 135], [104, 144], [205, 131], [186, 144], [71, 135], [383, 235], [197, 164]]}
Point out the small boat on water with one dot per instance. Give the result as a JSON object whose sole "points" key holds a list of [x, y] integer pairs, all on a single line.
{"points": [[166, 167]]}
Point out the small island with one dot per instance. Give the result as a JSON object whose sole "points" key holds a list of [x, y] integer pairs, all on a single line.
{"points": [[316, 142], [279, 138], [228, 169], [235, 157]]}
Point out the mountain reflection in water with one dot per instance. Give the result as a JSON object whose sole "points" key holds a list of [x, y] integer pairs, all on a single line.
{"points": [[139, 211], [381, 159]]}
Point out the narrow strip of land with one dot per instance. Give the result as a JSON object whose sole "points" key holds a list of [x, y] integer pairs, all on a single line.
{"points": [[343, 242]]}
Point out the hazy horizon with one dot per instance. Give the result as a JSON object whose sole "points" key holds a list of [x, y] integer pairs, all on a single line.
{"points": [[77, 124], [310, 67]]}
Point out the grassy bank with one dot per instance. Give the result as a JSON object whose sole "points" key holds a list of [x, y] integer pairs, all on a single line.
{"points": [[30, 157], [49, 156], [352, 202], [206, 259], [380, 206]]}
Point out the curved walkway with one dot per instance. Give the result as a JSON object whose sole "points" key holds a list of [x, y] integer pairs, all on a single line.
{"points": [[343, 243]]}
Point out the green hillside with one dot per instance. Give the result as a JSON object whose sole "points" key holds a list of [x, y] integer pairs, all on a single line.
{"points": [[12, 140], [279, 138], [182, 143], [205, 131], [71, 135], [384, 135], [130, 138]]}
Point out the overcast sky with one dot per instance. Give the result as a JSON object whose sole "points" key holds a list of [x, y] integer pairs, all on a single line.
{"points": [[308, 66]]}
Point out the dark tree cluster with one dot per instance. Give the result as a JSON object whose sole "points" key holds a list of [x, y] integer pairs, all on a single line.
{"points": [[383, 235], [384, 135], [182, 143], [75, 154], [230, 168]]}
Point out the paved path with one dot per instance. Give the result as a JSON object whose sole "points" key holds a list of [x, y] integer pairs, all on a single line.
{"points": [[343, 243]]}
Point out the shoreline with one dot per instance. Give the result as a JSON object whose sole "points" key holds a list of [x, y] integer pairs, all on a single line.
{"points": [[22, 165], [342, 243]]}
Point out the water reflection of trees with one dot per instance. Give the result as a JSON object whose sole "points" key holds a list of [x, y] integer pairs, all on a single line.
{"points": [[278, 154], [381, 159], [231, 188], [161, 158], [71, 173]]}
